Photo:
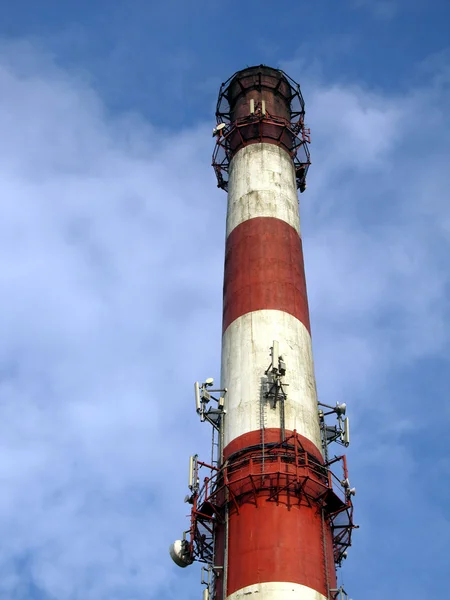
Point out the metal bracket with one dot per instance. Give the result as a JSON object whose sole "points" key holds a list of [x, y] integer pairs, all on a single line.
{"points": [[339, 594]]}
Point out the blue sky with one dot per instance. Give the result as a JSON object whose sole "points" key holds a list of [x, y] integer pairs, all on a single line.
{"points": [[111, 264]]}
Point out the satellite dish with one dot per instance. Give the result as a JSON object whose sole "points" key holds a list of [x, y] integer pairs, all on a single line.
{"points": [[340, 409], [218, 129], [209, 381], [179, 553]]}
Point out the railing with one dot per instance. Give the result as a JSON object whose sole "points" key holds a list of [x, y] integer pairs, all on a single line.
{"points": [[259, 127], [284, 474]]}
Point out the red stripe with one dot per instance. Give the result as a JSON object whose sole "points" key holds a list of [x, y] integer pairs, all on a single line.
{"points": [[272, 542], [278, 539], [264, 270], [253, 438]]}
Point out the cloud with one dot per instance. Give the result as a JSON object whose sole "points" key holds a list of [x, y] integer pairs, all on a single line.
{"points": [[375, 227], [111, 259], [103, 332], [384, 9]]}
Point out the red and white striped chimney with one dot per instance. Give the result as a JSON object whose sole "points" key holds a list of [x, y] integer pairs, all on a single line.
{"points": [[272, 550], [271, 518]]}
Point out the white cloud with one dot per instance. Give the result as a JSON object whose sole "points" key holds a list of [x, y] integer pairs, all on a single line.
{"points": [[375, 226], [111, 252], [384, 9], [102, 327]]}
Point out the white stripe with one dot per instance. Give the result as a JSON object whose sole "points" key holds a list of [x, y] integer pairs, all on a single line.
{"points": [[276, 591], [262, 184], [246, 356]]}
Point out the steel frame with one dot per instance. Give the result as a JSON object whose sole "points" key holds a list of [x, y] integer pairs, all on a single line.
{"points": [[292, 134], [295, 98], [285, 474], [300, 136]]}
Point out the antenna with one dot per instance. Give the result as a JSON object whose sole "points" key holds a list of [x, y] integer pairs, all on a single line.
{"points": [[252, 106], [192, 470], [198, 406], [275, 355], [346, 433]]}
